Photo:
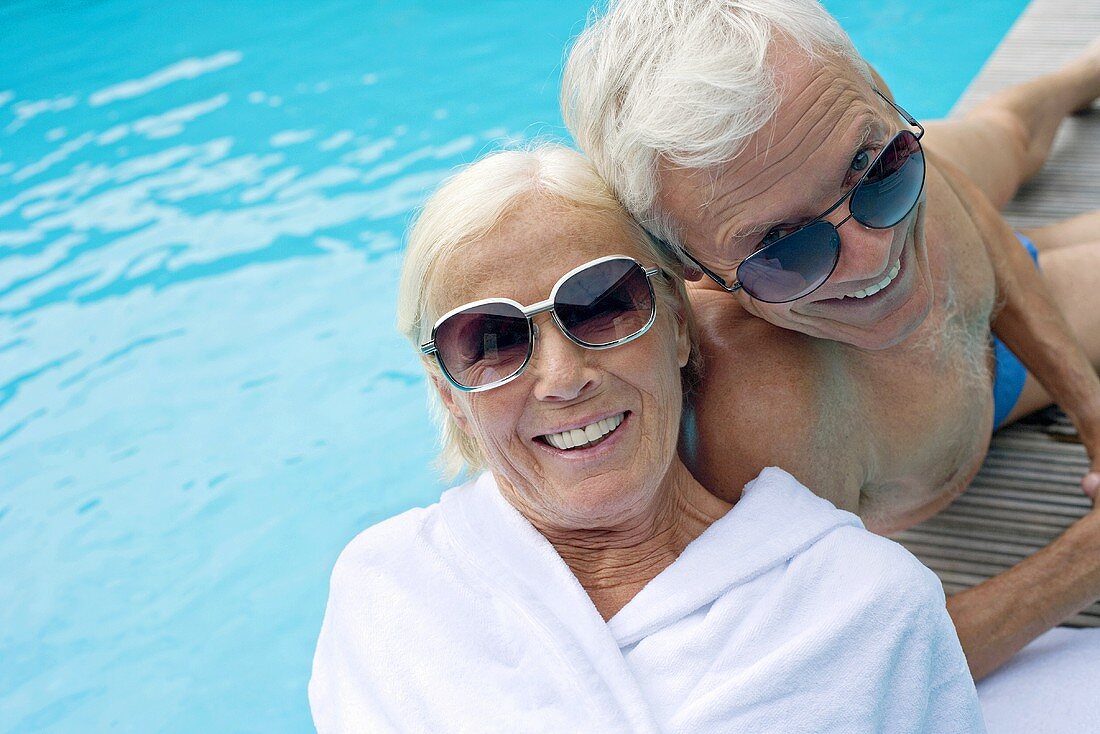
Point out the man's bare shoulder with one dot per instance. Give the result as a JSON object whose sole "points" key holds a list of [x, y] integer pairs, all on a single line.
{"points": [[769, 396], [961, 228], [760, 370], [963, 213], [725, 326]]}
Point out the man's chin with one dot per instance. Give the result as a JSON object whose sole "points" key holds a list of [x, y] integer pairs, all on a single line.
{"points": [[839, 323], [878, 339], [875, 322]]}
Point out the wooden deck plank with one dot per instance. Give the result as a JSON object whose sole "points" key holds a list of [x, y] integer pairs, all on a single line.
{"points": [[1027, 491]]}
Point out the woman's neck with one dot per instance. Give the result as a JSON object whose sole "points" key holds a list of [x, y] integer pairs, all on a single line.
{"points": [[614, 562]]}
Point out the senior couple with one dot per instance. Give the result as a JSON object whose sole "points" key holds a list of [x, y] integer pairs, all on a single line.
{"points": [[845, 262]]}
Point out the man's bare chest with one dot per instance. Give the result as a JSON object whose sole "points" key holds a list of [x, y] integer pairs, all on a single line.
{"points": [[929, 406]]}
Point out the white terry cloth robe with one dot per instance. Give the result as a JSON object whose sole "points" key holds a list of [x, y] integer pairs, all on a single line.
{"points": [[785, 615]]}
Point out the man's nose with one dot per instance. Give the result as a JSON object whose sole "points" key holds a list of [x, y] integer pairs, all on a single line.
{"points": [[864, 252], [562, 369]]}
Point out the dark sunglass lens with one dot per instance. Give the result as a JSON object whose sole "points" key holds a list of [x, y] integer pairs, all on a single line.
{"points": [[605, 303], [892, 187], [483, 344], [793, 266]]}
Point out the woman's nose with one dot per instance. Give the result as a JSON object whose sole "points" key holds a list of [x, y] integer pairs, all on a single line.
{"points": [[561, 369]]}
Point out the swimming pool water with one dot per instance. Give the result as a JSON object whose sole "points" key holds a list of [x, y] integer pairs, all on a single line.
{"points": [[202, 395]]}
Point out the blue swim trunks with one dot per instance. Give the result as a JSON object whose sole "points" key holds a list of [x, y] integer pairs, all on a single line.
{"points": [[1009, 373]]}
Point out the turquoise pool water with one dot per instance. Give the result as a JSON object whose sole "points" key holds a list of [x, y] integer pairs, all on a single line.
{"points": [[202, 396]]}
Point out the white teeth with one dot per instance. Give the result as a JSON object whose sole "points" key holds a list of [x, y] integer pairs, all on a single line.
{"points": [[873, 289], [579, 437]]}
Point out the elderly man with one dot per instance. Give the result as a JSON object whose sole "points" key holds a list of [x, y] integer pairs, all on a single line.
{"points": [[747, 135]]}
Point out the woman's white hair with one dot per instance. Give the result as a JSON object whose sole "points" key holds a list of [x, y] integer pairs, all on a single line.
{"points": [[466, 208], [683, 82]]}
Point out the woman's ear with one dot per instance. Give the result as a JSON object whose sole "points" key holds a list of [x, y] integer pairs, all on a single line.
{"points": [[683, 331], [446, 394], [683, 338]]}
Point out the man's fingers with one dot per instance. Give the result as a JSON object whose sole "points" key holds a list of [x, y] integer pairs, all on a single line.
{"points": [[1091, 484]]}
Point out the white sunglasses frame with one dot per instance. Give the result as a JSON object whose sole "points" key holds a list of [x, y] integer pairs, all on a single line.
{"points": [[428, 348]]}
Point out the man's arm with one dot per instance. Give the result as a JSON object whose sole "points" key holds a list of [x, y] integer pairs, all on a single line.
{"points": [[1030, 323], [997, 618]]}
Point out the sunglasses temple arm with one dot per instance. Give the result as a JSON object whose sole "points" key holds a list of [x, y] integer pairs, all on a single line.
{"points": [[712, 275], [897, 108]]}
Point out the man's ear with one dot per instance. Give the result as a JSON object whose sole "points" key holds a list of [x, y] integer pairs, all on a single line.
{"points": [[692, 273], [446, 394]]}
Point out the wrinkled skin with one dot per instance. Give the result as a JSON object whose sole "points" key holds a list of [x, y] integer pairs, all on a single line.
{"points": [[566, 386], [619, 511], [882, 403]]}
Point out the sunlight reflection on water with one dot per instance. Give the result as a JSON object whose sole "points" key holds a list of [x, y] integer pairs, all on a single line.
{"points": [[202, 395]]}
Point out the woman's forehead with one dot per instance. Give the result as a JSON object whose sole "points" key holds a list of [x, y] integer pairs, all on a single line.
{"points": [[528, 251]]}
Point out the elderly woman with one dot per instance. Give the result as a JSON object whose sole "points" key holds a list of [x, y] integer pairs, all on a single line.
{"points": [[583, 580]]}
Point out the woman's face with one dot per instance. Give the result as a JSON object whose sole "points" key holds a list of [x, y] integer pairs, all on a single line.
{"points": [[565, 386]]}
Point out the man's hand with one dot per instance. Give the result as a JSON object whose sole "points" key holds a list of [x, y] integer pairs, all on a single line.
{"points": [[996, 618], [1088, 430], [1085, 416]]}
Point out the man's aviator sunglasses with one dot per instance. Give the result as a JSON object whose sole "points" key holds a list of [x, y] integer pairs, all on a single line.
{"points": [[800, 262], [599, 305]]}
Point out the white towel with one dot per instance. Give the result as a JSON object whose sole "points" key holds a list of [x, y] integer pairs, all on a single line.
{"points": [[1052, 686], [785, 616]]}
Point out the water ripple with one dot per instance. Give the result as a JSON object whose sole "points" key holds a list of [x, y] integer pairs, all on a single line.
{"points": [[21, 424], [172, 245], [119, 354], [201, 225], [9, 389], [185, 69]]}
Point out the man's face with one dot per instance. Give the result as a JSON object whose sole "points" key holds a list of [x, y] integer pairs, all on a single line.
{"points": [[829, 127]]}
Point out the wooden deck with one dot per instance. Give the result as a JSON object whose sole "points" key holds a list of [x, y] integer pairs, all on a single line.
{"points": [[1027, 492]]}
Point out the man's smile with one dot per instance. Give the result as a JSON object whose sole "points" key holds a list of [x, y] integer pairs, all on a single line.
{"points": [[873, 289]]}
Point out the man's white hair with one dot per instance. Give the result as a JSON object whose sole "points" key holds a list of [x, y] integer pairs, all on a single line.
{"points": [[682, 82], [468, 207]]}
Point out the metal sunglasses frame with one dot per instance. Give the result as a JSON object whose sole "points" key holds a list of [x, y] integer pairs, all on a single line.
{"points": [[821, 217], [428, 347]]}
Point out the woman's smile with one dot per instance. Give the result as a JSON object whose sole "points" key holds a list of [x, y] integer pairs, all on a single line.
{"points": [[587, 434], [595, 441]]}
